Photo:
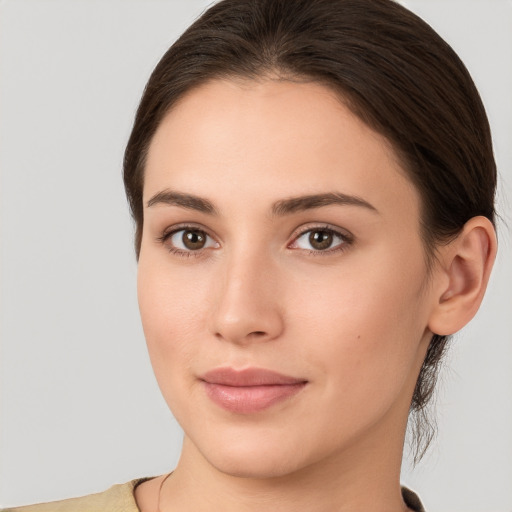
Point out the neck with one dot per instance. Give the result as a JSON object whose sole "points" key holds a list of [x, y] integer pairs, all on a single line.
{"points": [[365, 477]]}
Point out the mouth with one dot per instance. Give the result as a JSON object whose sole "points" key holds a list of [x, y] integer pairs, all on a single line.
{"points": [[250, 390]]}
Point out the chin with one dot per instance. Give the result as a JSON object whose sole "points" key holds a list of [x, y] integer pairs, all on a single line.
{"points": [[256, 467], [258, 458]]}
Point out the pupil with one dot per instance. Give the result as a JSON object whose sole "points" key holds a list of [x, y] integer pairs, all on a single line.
{"points": [[320, 239], [193, 240]]}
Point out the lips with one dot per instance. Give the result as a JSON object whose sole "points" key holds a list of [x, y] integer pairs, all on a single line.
{"points": [[250, 390]]}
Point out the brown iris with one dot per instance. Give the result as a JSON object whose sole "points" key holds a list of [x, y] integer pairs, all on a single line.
{"points": [[193, 240], [321, 240]]}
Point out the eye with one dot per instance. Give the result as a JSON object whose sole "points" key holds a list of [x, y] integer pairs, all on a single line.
{"points": [[320, 239], [188, 240]]}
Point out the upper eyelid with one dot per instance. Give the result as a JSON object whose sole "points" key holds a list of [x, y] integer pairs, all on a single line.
{"points": [[170, 230], [344, 233]]}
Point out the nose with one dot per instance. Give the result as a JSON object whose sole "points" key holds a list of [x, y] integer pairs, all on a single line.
{"points": [[247, 308]]}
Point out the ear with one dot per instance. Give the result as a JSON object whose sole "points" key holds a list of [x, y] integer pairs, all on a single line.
{"points": [[460, 282]]}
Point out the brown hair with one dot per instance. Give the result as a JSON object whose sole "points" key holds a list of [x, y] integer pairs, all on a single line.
{"points": [[388, 66]]}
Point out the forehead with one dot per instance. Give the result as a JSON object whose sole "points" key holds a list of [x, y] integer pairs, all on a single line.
{"points": [[272, 139]]}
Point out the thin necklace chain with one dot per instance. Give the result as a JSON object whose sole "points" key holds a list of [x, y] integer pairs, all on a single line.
{"points": [[160, 491]]}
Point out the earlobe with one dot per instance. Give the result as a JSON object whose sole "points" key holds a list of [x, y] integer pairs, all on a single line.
{"points": [[466, 266]]}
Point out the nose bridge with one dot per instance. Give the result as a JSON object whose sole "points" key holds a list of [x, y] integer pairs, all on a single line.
{"points": [[247, 306]]}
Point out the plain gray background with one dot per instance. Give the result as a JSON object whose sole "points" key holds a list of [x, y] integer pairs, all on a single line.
{"points": [[80, 409]]}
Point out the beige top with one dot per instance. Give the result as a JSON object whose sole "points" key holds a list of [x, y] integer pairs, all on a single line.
{"points": [[120, 498]]}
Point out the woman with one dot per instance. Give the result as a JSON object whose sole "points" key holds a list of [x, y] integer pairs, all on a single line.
{"points": [[313, 189]]}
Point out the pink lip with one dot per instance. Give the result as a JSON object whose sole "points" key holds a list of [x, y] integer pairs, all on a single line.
{"points": [[249, 390]]}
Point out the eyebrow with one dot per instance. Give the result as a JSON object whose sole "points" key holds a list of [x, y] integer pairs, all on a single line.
{"points": [[279, 208], [188, 201], [302, 203]]}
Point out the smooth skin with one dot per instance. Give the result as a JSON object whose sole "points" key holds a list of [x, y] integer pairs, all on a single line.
{"points": [[249, 286]]}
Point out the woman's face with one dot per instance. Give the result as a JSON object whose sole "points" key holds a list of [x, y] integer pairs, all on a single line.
{"points": [[280, 234]]}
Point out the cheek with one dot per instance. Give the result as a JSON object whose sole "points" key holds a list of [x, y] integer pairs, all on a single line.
{"points": [[363, 327], [172, 307]]}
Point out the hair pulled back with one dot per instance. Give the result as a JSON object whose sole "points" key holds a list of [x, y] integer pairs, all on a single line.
{"points": [[387, 65]]}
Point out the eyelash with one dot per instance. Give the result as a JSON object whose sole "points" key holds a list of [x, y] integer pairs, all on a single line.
{"points": [[180, 252], [346, 240]]}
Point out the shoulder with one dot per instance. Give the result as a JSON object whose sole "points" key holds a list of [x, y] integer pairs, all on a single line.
{"points": [[119, 498]]}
